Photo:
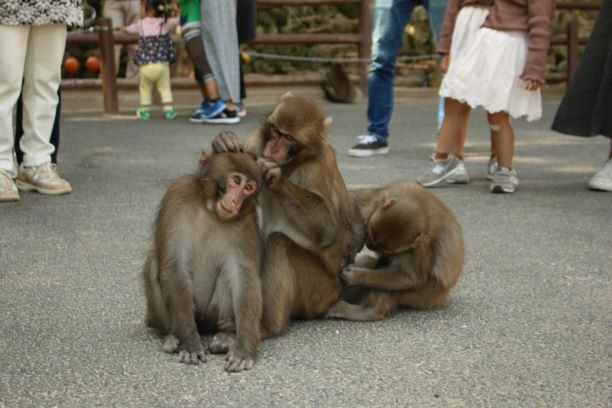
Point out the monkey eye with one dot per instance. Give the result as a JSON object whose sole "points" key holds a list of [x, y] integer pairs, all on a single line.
{"points": [[237, 179], [281, 134], [249, 187]]}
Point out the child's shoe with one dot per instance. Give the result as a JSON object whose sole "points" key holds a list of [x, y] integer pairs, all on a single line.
{"points": [[460, 176], [441, 170], [143, 113], [224, 117], [169, 112], [491, 167], [504, 181]]}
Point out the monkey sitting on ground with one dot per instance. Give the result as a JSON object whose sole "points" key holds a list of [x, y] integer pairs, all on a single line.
{"points": [[419, 248], [337, 85], [311, 226], [205, 262]]}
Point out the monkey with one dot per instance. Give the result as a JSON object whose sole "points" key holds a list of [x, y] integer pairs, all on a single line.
{"points": [[205, 262], [338, 86], [310, 225], [418, 246]]}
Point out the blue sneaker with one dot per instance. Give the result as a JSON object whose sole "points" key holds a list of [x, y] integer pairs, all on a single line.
{"points": [[208, 110]]}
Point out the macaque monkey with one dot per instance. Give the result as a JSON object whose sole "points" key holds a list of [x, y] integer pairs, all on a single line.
{"points": [[337, 85], [419, 254], [311, 227], [205, 262]]}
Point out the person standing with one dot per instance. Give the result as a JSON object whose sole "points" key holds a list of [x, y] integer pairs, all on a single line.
{"points": [[586, 107], [32, 43], [122, 13], [389, 17]]}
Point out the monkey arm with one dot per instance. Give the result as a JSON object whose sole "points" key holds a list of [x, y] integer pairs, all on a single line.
{"points": [[391, 277], [310, 212]]}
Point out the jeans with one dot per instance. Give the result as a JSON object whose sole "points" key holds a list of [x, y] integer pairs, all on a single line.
{"points": [[389, 17]]}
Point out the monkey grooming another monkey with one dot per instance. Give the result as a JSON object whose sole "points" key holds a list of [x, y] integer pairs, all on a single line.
{"points": [[205, 262], [419, 248], [311, 226]]}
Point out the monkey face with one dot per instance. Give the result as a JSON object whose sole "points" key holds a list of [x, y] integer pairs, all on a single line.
{"points": [[394, 228], [232, 195], [280, 146]]}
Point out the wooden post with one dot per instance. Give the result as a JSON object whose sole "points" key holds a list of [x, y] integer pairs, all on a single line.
{"points": [[365, 45], [109, 76]]}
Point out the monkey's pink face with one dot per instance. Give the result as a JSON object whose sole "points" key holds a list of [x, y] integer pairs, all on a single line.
{"points": [[278, 145], [237, 189]]}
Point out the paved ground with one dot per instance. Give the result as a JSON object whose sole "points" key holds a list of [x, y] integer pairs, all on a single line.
{"points": [[528, 324]]}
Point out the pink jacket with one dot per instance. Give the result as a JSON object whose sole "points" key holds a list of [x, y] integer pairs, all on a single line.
{"points": [[151, 26]]}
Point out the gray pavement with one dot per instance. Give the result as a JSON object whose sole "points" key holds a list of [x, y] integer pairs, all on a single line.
{"points": [[528, 324]]}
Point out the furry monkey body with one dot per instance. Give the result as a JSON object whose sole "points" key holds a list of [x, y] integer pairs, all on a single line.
{"points": [[205, 262], [311, 227], [419, 254]]}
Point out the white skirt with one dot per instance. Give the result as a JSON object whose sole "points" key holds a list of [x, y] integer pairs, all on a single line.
{"points": [[487, 73], [468, 21]]}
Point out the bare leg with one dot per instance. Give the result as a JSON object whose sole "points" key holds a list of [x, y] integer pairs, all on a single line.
{"points": [[503, 139], [452, 131]]}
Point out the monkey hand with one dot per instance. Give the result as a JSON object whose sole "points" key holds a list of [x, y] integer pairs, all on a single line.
{"points": [[352, 275], [238, 361], [272, 173], [226, 141]]}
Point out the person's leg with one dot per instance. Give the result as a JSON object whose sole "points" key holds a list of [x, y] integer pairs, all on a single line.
{"points": [[388, 21], [42, 76], [165, 91], [445, 166], [55, 132], [131, 13], [113, 9], [145, 88], [505, 179]]}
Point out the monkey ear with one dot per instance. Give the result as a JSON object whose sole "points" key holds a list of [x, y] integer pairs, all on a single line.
{"points": [[204, 159], [389, 202], [327, 122], [285, 96]]}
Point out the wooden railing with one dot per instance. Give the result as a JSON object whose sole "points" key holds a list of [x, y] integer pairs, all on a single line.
{"points": [[106, 37]]}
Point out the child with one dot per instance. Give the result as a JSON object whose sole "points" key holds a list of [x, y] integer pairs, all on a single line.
{"points": [[502, 70], [154, 54], [462, 21]]}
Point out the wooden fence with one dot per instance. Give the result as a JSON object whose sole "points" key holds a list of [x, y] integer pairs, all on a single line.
{"points": [[106, 37]]}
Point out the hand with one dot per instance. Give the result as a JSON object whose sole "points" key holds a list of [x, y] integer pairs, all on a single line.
{"points": [[226, 141], [532, 84], [272, 173], [445, 63]]}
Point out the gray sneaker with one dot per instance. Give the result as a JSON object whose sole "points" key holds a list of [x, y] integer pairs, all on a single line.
{"points": [[43, 178], [460, 176], [491, 167], [504, 181], [440, 170], [8, 190]]}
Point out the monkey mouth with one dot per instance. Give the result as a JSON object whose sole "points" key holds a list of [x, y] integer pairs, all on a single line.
{"points": [[225, 213]]}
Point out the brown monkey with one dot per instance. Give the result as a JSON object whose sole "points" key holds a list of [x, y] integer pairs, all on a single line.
{"points": [[419, 248], [205, 262], [311, 227], [338, 86]]}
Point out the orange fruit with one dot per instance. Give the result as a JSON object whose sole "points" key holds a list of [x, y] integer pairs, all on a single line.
{"points": [[92, 64], [72, 65]]}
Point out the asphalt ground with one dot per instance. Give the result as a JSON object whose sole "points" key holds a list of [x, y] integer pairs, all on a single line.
{"points": [[529, 323]]}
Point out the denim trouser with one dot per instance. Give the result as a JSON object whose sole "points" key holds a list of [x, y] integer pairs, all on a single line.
{"points": [[389, 18]]}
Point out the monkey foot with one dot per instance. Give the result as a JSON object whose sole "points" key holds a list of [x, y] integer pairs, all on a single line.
{"points": [[237, 362], [221, 343], [170, 344], [192, 357]]}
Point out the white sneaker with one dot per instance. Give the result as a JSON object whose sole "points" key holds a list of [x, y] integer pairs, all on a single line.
{"points": [[602, 180], [491, 167], [504, 181], [8, 189], [43, 178], [460, 176]]}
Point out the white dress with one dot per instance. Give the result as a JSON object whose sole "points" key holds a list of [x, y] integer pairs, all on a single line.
{"points": [[485, 68]]}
